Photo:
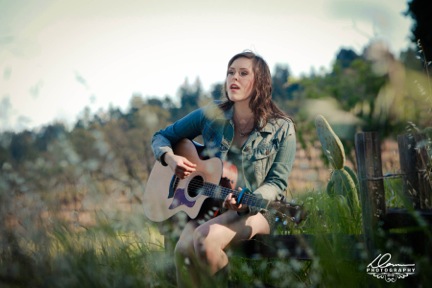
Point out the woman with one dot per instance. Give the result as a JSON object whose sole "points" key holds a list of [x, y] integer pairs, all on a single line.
{"points": [[249, 131]]}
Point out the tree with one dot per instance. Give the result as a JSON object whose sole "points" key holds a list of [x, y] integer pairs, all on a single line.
{"points": [[49, 134], [345, 57], [5, 140], [216, 91], [420, 11], [190, 96], [22, 146], [356, 81], [280, 82], [409, 59]]}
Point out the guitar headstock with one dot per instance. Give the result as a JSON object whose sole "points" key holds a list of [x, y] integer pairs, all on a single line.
{"points": [[288, 211]]}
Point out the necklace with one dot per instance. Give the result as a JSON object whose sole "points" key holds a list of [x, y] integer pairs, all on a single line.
{"points": [[243, 131]]}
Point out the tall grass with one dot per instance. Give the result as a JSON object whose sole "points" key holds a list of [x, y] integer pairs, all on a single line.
{"points": [[122, 249], [101, 256]]}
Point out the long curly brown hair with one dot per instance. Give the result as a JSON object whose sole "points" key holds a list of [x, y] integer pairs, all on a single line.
{"points": [[261, 99]]}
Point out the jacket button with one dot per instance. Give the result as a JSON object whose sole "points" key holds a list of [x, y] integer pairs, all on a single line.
{"points": [[247, 149]]}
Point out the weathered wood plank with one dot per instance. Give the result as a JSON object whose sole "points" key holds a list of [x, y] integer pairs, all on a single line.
{"points": [[369, 169], [414, 159], [423, 171], [408, 164]]}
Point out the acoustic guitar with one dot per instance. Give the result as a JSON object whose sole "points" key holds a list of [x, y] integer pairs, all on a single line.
{"points": [[166, 195]]}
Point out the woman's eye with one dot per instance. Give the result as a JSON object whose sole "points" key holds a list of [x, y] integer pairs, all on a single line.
{"points": [[244, 73], [230, 72]]}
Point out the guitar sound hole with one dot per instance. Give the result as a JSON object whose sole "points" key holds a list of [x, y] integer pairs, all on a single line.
{"points": [[195, 186]]}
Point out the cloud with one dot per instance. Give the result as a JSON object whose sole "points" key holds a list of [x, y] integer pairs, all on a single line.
{"points": [[381, 17]]}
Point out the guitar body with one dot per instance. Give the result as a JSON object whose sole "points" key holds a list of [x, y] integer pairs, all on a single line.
{"points": [[166, 195]]}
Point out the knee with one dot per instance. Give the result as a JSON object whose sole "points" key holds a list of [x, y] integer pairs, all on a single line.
{"points": [[202, 246], [184, 249]]}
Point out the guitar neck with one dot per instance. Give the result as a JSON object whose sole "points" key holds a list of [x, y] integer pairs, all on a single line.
{"points": [[220, 193]]}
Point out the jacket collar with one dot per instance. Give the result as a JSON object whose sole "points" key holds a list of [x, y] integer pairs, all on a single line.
{"points": [[228, 115]]}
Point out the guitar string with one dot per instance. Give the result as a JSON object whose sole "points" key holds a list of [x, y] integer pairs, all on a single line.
{"points": [[224, 190], [248, 199]]}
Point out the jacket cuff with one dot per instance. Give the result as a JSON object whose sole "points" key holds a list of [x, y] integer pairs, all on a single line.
{"points": [[162, 151], [268, 191]]}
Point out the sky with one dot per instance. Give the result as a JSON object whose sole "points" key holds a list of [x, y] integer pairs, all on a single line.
{"points": [[58, 57]]}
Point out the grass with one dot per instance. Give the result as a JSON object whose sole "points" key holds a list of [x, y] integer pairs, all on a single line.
{"points": [[97, 257], [123, 250]]}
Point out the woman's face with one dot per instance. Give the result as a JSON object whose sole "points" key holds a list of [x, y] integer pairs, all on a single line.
{"points": [[240, 80]]}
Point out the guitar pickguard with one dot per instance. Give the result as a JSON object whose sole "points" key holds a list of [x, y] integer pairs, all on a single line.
{"points": [[187, 196], [180, 199]]}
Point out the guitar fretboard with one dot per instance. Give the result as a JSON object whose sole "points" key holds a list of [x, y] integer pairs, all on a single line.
{"points": [[220, 193]]}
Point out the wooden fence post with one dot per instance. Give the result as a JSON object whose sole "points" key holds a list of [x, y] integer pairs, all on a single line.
{"points": [[413, 161], [372, 196]]}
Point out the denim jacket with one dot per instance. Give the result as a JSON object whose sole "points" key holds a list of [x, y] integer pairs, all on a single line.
{"points": [[267, 155]]}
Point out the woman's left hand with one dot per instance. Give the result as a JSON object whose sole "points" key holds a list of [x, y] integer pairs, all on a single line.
{"points": [[230, 202]]}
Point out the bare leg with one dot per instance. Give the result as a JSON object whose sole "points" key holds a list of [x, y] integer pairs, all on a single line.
{"points": [[185, 261], [212, 237], [199, 253]]}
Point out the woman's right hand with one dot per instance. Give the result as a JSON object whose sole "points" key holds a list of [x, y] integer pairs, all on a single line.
{"points": [[180, 165]]}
